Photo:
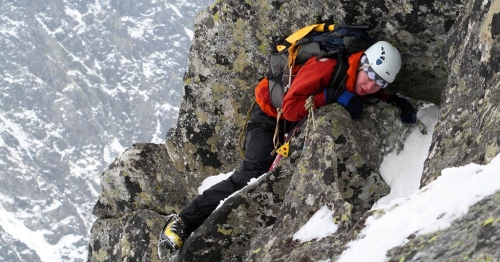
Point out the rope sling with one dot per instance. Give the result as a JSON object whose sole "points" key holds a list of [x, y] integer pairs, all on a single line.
{"points": [[310, 115]]}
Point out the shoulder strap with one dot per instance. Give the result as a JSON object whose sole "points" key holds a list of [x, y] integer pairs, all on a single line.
{"points": [[340, 71]]}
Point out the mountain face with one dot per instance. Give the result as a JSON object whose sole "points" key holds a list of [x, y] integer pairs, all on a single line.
{"points": [[81, 80], [448, 47], [469, 130]]}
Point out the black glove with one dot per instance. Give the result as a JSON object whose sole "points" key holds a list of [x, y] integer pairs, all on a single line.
{"points": [[347, 99], [408, 113]]}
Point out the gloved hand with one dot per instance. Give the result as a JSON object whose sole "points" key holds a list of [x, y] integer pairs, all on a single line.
{"points": [[408, 113], [347, 99]]}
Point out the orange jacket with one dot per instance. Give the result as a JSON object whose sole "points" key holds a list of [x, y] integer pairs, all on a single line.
{"points": [[311, 77]]}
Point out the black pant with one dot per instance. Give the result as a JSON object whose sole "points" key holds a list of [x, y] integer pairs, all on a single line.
{"points": [[258, 160]]}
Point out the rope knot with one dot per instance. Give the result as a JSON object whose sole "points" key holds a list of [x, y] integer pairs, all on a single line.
{"points": [[310, 114]]}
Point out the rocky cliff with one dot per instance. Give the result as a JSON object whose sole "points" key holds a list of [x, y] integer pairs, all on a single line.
{"points": [[469, 130], [448, 48]]}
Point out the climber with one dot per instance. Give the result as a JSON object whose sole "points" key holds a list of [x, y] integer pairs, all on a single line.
{"points": [[369, 71]]}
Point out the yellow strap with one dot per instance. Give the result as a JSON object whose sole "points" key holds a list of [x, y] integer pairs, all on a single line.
{"points": [[321, 28], [299, 34], [292, 55]]}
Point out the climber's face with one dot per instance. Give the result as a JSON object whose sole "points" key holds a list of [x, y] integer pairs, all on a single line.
{"points": [[365, 85]]}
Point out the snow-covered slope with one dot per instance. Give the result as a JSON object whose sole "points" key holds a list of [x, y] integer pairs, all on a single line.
{"points": [[81, 80]]}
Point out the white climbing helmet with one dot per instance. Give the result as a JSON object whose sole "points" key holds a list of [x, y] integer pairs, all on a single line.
{"points": [[384, 59]]}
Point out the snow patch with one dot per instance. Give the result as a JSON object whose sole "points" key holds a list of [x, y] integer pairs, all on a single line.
{"points": [[176, 10], [402, 172], [189, 33], [432, 208], [323, 218], [112, 150], [212, 180]]}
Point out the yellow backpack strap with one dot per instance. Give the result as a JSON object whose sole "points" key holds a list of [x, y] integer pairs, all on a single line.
{"points": [[293, 50], [324, 28], [299, 34]]}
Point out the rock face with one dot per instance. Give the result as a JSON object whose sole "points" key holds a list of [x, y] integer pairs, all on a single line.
{"points": [[133, 237], [337, 168], [470, 130], [136, 180]]}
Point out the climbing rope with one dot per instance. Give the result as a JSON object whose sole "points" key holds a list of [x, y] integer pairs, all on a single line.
{"points": [[310, 114], [242, 134], [276, 139]]}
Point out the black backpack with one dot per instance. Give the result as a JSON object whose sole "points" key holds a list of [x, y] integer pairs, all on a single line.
{"points": [[320, 40]]}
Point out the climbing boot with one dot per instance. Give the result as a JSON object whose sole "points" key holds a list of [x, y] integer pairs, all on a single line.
{"points": [[174, 233]]}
